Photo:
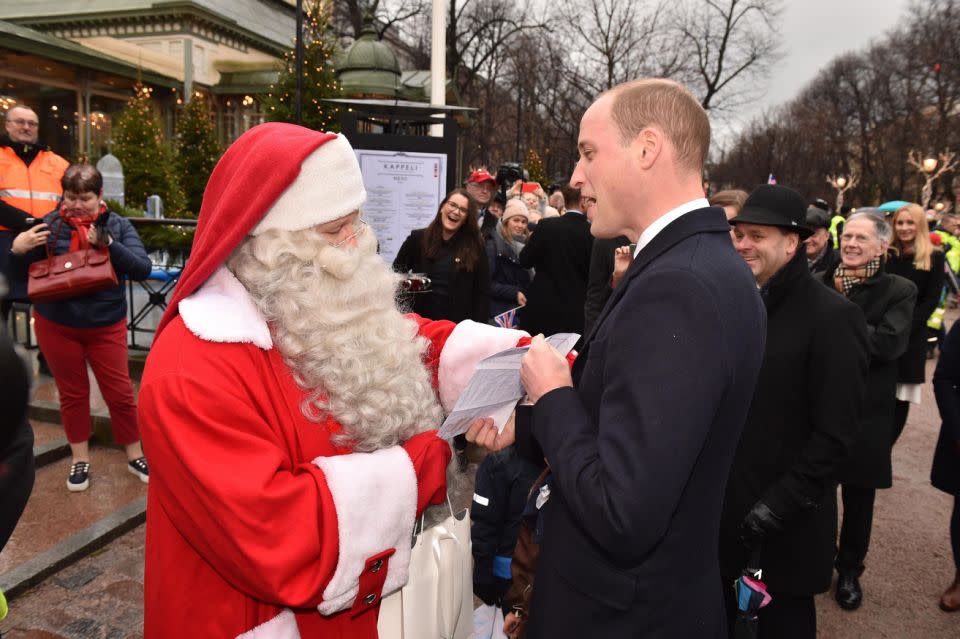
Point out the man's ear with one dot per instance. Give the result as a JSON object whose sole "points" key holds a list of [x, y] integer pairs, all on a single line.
{"points": [[793, 243], [647, 146]]}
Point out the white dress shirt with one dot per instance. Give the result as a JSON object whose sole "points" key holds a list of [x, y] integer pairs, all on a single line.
{"points": [[661, 222]]}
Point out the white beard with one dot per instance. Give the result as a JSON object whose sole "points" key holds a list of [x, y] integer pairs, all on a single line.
{"points": [[333, 315]]}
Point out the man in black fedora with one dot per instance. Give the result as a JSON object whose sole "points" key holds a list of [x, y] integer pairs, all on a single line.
{"points": [[780, 509], [821, 256]]}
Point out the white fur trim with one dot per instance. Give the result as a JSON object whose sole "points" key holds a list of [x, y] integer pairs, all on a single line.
{"points": [[283, 626], [222, 311], [469, 343], [329, 186], [376, 499]]}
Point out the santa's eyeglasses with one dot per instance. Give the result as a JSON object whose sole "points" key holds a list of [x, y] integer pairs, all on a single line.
{"points": [[359, 225]]}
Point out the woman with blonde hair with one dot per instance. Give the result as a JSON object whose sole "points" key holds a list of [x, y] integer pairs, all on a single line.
{"points": [[509, 280], [918, 260]]}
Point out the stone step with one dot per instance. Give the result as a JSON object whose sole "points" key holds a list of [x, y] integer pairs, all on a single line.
{"points": [[58, 527], [49, 443]]}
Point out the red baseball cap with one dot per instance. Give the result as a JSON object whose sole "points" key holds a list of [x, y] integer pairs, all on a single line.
{"points": [[481, 175]]}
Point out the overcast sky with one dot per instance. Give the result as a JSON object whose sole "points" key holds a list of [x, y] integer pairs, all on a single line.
{"points": [[814, 32]]}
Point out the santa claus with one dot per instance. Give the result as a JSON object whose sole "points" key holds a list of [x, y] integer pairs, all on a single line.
{"points": [[288, 408]]}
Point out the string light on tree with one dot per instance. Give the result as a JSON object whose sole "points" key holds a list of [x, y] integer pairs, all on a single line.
{"points": [[319, 79], [930, 169], [197, 149], [147, 158], [535, 168]]}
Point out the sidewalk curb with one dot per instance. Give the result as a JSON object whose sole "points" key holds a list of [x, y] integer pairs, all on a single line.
{"points": [[51, 452], [75, 547]]}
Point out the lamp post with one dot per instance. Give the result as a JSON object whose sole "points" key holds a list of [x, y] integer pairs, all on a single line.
{"points": [[842, 184], [931, 168]]}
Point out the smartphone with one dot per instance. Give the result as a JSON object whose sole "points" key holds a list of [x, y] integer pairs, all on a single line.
{"points": [[530, 187]]}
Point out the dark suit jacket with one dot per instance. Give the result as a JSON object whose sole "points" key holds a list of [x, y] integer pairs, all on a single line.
{"points": [[641, 447], [559, 252]]}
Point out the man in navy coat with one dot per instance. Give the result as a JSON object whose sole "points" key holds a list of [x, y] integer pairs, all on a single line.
{"points": [[641, 434]]}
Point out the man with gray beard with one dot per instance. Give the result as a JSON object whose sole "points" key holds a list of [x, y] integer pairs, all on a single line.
{"points": [[289, 408]]}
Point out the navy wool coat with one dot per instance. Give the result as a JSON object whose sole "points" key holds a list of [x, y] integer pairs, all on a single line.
{"points": [[641, 446]]}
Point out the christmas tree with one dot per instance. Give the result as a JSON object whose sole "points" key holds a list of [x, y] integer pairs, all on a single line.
{"points": [[148, 161], [197, 150], [534, 166], [319, 78]]}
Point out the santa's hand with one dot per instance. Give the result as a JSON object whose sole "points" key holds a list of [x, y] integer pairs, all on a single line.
{"points": [[430, 456], [543, 369], [483, 432]]}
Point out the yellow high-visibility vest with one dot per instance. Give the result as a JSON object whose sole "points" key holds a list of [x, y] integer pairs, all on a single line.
{"points": [[835, 223]]}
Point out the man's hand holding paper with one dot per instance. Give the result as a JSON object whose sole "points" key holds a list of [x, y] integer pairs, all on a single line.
{"points": [[543, 369]]}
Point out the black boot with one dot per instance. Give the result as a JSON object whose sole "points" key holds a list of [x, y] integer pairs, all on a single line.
{"points": [[849, 594]]}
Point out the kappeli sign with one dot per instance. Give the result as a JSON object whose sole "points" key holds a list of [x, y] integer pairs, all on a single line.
{"points": [[403, 167]]}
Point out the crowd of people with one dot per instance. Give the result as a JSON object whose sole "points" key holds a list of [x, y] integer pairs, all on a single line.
{"points": [[742, 356]]}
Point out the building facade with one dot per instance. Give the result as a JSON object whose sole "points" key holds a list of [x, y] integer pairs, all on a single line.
{"points": [[75, 62]]}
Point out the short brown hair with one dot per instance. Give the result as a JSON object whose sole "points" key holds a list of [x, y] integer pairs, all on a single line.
{"points": [[670, 107], [732, 197], [571, 196], [82, 178]]}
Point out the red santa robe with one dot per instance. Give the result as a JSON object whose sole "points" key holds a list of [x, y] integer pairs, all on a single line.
{"points": [[258, 526]]}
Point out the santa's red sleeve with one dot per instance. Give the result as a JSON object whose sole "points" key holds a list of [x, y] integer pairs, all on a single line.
{"points": [[457, 348], [303, 536]]}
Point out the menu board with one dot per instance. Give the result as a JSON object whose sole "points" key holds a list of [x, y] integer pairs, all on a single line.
{"points": [[404, 191]]}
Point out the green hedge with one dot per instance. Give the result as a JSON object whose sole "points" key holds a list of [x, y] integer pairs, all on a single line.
{"points": [[160, 237]]}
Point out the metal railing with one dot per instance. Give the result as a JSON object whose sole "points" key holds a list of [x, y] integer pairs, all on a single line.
{"points": [[168, 264]]}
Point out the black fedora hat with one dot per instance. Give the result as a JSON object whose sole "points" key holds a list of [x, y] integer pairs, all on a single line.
{"points": [[817, 218], [775, 205]]}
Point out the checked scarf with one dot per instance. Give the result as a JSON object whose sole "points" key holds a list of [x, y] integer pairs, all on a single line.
{"points": [[844, 279]]}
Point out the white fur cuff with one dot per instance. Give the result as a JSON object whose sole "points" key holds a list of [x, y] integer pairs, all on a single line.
{"points": [[376, 499], [469, 343], [222, 311]]}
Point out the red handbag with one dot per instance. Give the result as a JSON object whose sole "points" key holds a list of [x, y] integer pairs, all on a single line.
{"points": [[62, 277]]}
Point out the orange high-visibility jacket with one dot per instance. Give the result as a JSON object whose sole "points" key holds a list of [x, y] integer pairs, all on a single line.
{"points": [[34, 189]]}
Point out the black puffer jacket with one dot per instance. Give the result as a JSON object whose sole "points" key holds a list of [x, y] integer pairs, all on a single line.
{"points": [[502, 485]]}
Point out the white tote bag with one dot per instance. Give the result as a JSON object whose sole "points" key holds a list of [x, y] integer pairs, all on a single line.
{"points": [[437, 602]]}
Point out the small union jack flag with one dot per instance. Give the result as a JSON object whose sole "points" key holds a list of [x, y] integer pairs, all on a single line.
{"points": [[507, 319]]}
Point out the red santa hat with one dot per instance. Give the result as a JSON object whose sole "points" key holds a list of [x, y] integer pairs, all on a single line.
{"points": [[275, 176]]}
